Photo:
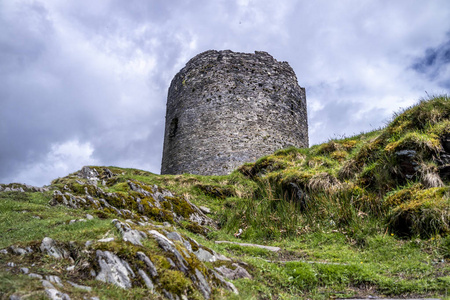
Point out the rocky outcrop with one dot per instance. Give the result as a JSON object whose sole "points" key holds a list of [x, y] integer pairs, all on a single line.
{"points": [[149, 202], [19, 187], [126, 263], [142, 249]]}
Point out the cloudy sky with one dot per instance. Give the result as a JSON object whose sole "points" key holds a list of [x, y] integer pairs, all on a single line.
{"points": [[85, 82]]}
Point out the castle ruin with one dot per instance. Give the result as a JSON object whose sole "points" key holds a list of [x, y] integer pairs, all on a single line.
{"points": [[226, 108]]}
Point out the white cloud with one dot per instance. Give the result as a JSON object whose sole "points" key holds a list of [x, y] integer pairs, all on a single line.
{"points": [[61, 160]]}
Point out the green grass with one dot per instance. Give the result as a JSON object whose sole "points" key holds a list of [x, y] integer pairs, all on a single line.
{"points": [[27, 217]]}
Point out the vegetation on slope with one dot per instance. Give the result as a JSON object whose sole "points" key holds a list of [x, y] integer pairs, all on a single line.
{"points": [[365, 215]]}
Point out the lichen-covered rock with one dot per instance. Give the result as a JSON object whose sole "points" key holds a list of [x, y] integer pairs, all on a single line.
{"points": [[54, 279], [141, 202], [150, 266], [237, 273], [114, 270], [230, 286], [204, 255], [128, 234], [90, 174], [203, 284], [148, 282], [169, 246], [54, 294]]}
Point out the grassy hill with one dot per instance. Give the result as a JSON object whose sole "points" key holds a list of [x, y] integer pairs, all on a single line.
{"points": [[362, 216]]}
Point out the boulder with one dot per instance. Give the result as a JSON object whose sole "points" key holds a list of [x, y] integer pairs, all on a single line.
{"points": [[114, 270]]}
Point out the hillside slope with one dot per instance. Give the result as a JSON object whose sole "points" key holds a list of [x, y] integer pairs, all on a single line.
{"points": [[362, 216]]}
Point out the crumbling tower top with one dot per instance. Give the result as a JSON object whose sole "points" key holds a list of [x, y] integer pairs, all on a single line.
{"points": [[226, 108]]}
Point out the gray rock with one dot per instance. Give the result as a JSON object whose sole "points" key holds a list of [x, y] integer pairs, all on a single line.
{"points": [[49, 246], [54, 279], [150, 266], [107, 173], [163, 241], [221, 257], [168, 295], [54, 294], [15, 297], [88, 243], [4, 251], [11, 264], [90, 174], [237, 273], [47, 284], [187, 245], [70, 268], [172, 264], [18, 250], [205, 209], [81, 287], [129, 235], [204, 255], [202, 284], [230, 286], [175, 236], [148, 282], [106, 240], [114, 270], [34, 275], [24, 270], [138, 189], [168, 246], [89, 217]]}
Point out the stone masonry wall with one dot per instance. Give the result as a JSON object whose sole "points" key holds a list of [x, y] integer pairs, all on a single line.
{"points": [[226, 108]]}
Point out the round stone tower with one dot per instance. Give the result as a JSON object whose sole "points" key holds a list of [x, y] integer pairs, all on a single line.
{"points": [[226, 108]]}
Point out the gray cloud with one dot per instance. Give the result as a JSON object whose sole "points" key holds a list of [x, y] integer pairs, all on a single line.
{"points": [[435, 64], [86, 83]]}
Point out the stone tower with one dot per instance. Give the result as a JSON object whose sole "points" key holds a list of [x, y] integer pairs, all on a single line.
{"points": [[226, 108]]}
